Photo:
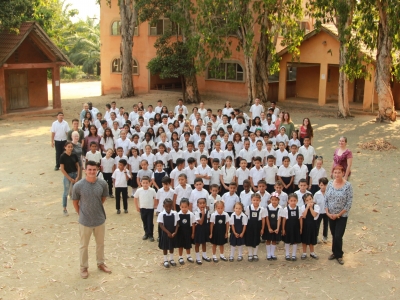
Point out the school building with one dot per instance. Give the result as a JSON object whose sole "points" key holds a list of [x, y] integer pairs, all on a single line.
{"points": [[314, 76]]}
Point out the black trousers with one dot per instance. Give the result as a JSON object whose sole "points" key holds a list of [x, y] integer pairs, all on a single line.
{"points": [[325, 219], [147, 218], [338, 227], [118, 192], [108, 178], [59, 146]]}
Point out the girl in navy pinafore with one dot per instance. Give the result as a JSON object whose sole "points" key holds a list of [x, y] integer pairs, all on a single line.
{"points": [[238, 222]]}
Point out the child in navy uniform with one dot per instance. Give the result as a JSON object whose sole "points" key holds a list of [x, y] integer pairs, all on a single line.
{"points": [[255, 226], [158, 175], [219, 228], [272, 234], [202, 231], [168, 220], [185, 231], [292, 225], [309, 212], [238, 222]]}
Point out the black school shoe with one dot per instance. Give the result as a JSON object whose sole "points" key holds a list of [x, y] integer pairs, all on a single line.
{"points": [[223, 258], [207, 259], [145, 237], [151, 239]]}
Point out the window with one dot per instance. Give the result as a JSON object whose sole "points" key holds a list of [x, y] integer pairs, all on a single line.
{"points": [[304, 26], [116, 29], [229, 71], [116, 66], [162, 25]]}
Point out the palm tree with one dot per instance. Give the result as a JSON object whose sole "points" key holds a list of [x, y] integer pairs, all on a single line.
{"points": [[84, 46]]}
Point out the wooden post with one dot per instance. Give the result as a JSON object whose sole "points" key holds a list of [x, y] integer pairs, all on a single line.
{"points": [[56, 87], [323, 78], [282, 81], [3, 101]]}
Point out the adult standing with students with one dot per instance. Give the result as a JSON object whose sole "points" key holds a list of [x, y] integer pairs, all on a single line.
{"points": [[338, 201], [88, 197], [342, 157], [59, 130]]}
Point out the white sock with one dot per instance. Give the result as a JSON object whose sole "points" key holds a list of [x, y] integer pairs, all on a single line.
{"points": [[198, 255], [304, 254], [133, 192], [180, 257], [255, 250], [250, 249], [221, 255], [268, 247], [204, 254], [214, 256], [287, 249], [240, 248], [188, 255], [273, 250], [171, 256], [313, 253], [294, 249], [165, 257], [232, 251]]}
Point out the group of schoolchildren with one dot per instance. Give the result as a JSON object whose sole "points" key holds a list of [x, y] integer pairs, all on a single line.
{"points": [[219, 182]]}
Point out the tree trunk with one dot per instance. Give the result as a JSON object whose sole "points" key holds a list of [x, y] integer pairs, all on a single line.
{"points": [[262, 66], [191, 91], [343, 98], [250, 78], [383, 67], [128, 22]]}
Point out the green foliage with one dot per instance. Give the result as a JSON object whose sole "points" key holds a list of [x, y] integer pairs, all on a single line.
{"points": [[71, 73], [13, 12], [84, 45]]}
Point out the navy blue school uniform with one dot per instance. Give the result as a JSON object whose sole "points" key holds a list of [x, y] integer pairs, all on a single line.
{"points": [[286, 180], [314, 188], [158, 176], [202, 231], [254, 225], [238, 223], [309, 231], [170, 221], [184, 239], [273, 217], [292, 226], [219, 229]]}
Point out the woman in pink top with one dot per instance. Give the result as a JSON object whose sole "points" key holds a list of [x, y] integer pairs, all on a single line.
{"points": [[306, 130], [343, 157]]}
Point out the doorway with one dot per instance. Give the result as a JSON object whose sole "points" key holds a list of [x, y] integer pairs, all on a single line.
{"points": [[18, 92]]}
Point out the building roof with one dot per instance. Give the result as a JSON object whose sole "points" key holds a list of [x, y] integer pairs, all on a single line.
{"points": [[11, 41], [332, 31]]}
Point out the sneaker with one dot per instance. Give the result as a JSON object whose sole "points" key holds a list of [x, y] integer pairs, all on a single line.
{"points": [[145, 237], [118, 211], [126, 211], [151, 239], [65, 212]]}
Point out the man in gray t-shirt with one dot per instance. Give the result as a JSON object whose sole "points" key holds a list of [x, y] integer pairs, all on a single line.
{"points": [[88, 197]]}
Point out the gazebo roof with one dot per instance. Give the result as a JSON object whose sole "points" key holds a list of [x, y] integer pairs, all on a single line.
{"points": [[11, 41]]}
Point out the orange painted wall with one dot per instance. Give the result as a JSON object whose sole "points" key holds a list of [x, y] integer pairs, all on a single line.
{"points": [[37, 83], [27, 52], [396, 94], [307, 82], [143, 52]]}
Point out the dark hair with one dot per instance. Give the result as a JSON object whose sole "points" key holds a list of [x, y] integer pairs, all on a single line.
{"points": [[180, 161], [123, 161], [232, 183], [214, 186], [293, 195], [246, 181], [254, 121], [197, 179], [159, 162], [270, 157], [130, 151], [279, 183], [323, 180], [299, 155], [302, 180], [108, 105], [257, 158], [203, 156], [91, 163], [90, 127], [233, 147], [190, 143], [75, 120], [185, 200], [201, 199], [93, 143], [145, 178], [262, 181], [191, 160], [215, 160], [167, 201], [166, 180], [309, 131], [182, 175], [306, 195], [285, 157]]}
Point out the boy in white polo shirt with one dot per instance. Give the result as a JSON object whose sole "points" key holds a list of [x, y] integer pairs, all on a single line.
{"points": [[197, 193], [93, 154], [120, 178], [256, 173], [145, 202], [256, 109]]}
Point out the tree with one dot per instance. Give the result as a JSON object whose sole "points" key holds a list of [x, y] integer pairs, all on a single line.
{"points": [[129, 20], [256, 25], [14, 12], [378, 29], [178, 44], [84, 46], [340, 13]]}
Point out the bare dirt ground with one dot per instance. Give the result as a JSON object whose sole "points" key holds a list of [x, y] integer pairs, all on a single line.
{"points": [[39, 247]]}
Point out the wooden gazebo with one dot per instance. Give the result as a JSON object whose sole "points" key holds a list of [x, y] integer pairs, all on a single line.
{"points": [[24, 60]]}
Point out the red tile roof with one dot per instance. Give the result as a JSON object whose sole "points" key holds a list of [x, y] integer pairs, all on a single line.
{"points": [[9, 42]]}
